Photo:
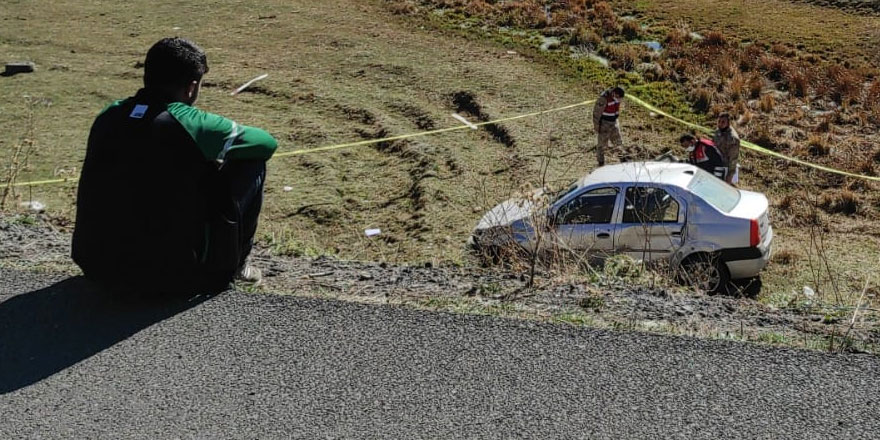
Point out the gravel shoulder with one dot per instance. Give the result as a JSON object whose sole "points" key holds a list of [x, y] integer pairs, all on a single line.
{"points": [[610, 303]]}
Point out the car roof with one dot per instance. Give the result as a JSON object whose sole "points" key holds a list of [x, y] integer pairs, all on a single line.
{"points": [[669, 173]]}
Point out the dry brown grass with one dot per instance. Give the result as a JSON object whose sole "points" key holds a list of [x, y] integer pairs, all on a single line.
{"points": [[817, 145], [528, 14], [786, 256], [845, 85], [402, 8], [604, 15], [767, 103], [715, 38], [839, 202], [797, 80], [585, 35], [702, 99], [631, 29]]}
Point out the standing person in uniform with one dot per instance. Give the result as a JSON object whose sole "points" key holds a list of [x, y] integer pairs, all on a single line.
{"points": [[727, 141], [605, 114], [169, 194], [703, 154]]}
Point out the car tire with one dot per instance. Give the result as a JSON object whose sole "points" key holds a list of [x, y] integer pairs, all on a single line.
{"points": [[705, 272]]}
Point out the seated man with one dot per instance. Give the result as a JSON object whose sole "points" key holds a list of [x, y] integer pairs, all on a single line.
{"points": [[702, 153], [169, 195]]}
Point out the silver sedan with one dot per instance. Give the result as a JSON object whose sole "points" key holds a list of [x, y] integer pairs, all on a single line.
{"points": [[649, 211]]}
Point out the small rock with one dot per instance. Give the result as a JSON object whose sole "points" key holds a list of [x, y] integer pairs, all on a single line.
{"points": [[365, 276], [19, 67], [428, 265]]}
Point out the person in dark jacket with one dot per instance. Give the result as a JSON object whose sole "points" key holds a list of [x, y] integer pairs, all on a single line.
{"points": [[169, 194], [704, 154]]}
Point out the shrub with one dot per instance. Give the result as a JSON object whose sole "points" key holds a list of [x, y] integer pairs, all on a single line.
{"points": [[478, 8], [773, 67], [767, 103], [715, 38], [523, 14], [797, 81], [585, 35], [622, 56], [756, 85], [631, 29], [845, 85], [839, 202], [702, 99], [604, 15], [677, 37]]}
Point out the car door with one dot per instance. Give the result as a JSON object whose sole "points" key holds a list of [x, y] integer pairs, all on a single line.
{"points": [[652, 222], [585, 221]]}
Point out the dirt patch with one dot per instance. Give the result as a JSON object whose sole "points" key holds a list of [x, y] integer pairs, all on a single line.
{"points": [[466, 104]]}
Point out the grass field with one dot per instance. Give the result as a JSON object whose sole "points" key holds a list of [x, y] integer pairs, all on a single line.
{"points": [[343, 71]]}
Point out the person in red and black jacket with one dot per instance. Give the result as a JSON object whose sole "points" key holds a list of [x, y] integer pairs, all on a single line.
{"points": [[704, 154], [606, 110]]}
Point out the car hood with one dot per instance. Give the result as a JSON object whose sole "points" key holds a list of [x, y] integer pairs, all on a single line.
{"points": [[508, 212]]}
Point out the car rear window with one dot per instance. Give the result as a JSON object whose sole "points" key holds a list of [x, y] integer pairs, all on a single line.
{"points": [[713, 190]]}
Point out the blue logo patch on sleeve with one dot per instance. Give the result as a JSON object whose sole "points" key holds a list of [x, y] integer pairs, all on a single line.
{"points": [[139, 111]]}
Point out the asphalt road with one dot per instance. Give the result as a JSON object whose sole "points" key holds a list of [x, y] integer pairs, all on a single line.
{"points": [[76, 363]]}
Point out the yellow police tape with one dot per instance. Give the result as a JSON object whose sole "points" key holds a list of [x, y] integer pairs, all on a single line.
{"points": [[752, 146], [638, 101], [427, 133]]}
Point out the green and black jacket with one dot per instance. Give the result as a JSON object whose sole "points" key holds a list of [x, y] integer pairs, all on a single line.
{"points": [[150, 190]]}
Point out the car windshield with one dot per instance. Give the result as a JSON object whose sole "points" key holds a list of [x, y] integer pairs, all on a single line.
{"points": [[713, 190], [562, 193]]}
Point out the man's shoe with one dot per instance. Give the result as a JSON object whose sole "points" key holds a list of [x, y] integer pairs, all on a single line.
{"points": [[249, 274]]}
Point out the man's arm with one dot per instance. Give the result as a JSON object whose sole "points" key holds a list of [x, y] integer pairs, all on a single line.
{"points": [[219, 138], [598, 108], [732, 158]]}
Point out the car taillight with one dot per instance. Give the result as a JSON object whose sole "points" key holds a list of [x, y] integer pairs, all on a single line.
{"points": [[754, 233]]}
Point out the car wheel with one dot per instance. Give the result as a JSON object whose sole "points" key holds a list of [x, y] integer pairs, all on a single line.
{"points": [[705, 272]]}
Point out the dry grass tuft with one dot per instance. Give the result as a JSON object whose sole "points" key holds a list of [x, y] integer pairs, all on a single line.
{"points": [[585, 35], [844, 85], [715, 38], [839, 202], [604, 15], [767, 103], [631, 29], [786, 257], [524, 14], [402, 8], [702, 99], [478, 8], [797, 80], [817, 145], [756, 85]]}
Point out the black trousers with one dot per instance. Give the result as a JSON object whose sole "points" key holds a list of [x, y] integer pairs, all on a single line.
{"points": [[244, 181]]}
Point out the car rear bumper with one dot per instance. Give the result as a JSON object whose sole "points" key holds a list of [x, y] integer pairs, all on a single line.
{"points": [[748, 262]]}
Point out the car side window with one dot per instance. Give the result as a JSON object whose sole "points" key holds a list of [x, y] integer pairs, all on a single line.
{"points": [[595, 206], [644, 204]]}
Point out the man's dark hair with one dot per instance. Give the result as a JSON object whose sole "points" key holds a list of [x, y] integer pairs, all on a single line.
{"points": [[174, 62], [619, 91], [686, 137], [725, 116]]}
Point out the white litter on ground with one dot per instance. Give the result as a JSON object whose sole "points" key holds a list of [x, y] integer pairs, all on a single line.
{"points": [[372, 232], [466, 122], [34, 206], [248, 84], [288, 188]]}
